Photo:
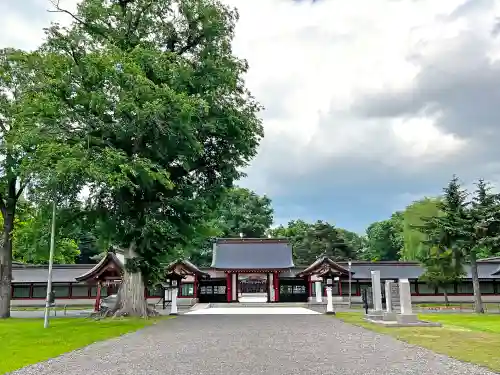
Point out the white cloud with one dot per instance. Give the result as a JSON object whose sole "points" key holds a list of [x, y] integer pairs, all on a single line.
{"points": [[327, 55], [312, 63]]}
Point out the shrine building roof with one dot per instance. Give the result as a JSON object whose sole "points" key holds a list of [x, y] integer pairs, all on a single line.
{"points": [[252, 254]]}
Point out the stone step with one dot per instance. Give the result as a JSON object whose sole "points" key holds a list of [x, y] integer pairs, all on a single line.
{"points": [[257, 304], [200, 306]]}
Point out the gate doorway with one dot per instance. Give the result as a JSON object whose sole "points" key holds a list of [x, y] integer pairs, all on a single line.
{"points": [[252, 284], [253, 288], [212, 290]]}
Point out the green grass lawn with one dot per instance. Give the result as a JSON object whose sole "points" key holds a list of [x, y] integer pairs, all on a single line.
{"points": [[467, 337], [58, 308], [25, 341]]}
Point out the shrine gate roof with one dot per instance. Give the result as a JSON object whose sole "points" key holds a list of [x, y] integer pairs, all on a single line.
{"points": [[252, 254]]}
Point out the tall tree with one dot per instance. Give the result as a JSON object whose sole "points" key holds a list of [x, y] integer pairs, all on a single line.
{"points": [[31, 239], [155, 99], [356, 242], [484, 232], [243, 211], [439, 270], [18, 77], [320, 238], [292, 230], [412, 218], [447, 233], [384, 239], [88, 248], [240, 211]]}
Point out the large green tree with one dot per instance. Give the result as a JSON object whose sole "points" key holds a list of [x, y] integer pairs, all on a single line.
{"points": [[484, 232], [446, 233], [240, 211], [413, 239], [293, 229], [384, 239], [31, 238], [439, 270], [154, 98], [19, 75], [355, 241], [311, 240], [243, 211]]}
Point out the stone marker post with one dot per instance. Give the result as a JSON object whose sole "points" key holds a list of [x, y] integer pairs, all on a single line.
{"points": [[389, 314], [329, 301], [377, 293], [319, 292], [406, 315], [173, 306]]}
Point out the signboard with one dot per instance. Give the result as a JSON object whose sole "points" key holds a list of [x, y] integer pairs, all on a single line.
{"points": [[396, 304], [111, 282]]}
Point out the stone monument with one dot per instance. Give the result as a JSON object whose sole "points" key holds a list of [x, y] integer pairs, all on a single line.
{"points": [[406, 316], [398, 311], [392, 300], [376, 313], [329, 301]]}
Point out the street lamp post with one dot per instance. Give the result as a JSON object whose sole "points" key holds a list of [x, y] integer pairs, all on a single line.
{"points": [[350, 283]]}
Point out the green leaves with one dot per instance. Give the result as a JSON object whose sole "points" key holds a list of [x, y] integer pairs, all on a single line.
{"points": [[144, 103], [384, 239], [310, 241], [32, 235]]}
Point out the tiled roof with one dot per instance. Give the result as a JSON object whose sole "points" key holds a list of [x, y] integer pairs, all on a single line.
{"points": [[361, 271], [327, 263], [412, 270], [109, 258], [39, 274], [252, 254]]}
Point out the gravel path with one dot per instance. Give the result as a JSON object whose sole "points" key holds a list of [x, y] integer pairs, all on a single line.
{"points": [[251, 345]]}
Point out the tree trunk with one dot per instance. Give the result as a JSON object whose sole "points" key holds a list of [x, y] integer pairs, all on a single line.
{"points": [[478, 302], [446, 300], [131, 299], [6, 265]]}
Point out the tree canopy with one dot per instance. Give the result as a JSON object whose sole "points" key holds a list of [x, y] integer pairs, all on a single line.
{"points": [[146, 105]]}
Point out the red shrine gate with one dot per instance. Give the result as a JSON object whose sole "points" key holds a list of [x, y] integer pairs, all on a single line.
{"points": [[244, 258], [269, 258]]}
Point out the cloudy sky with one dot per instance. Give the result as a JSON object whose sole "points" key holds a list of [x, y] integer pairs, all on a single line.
{"points": [[368, 107]]}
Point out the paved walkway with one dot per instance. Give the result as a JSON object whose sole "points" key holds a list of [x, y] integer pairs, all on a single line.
{"points": [[251, 345], [254, 311]]}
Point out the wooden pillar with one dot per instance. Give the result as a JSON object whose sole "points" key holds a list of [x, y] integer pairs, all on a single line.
{"points": [[276, 282], [340, 287], [229, 283], [234, 287], [195, 286], [268, 290], [309, 286], [97, 304]]}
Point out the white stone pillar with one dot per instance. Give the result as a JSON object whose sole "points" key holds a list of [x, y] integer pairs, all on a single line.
{"points": [[234, 286], [388, 299], [406, 316], [377, 292], [319, 291], [405, 296], [173, 306], [389, 314], [329, 300], [272, 297]]}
